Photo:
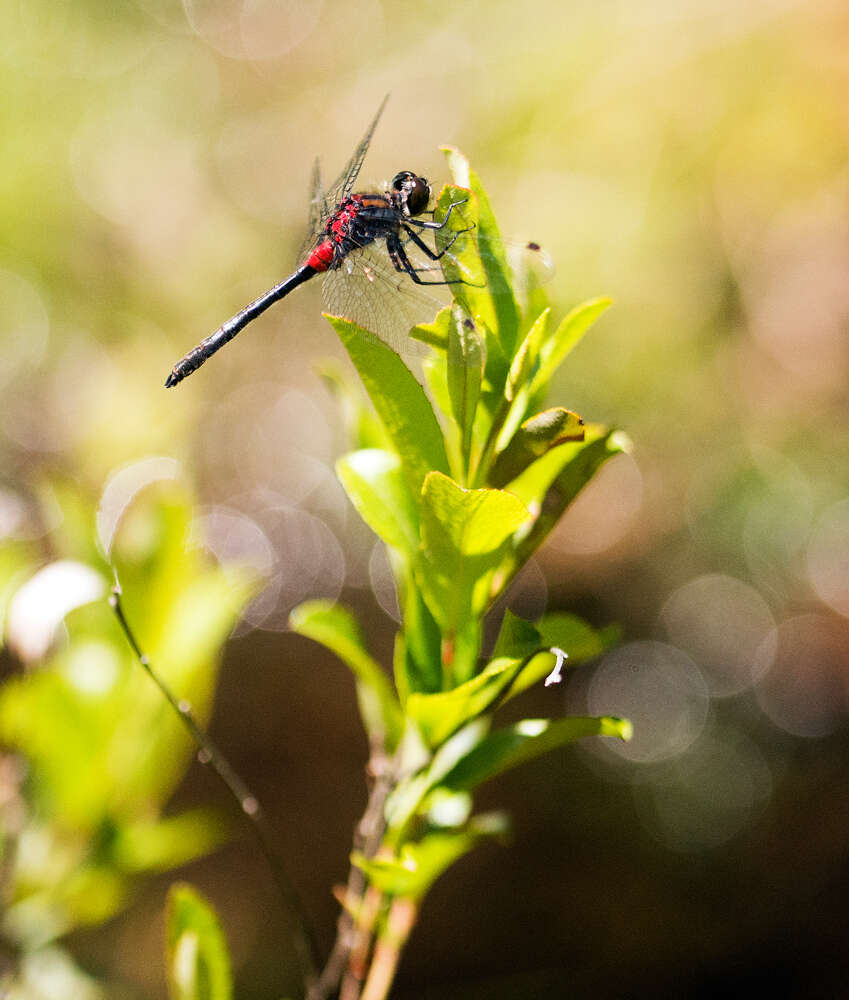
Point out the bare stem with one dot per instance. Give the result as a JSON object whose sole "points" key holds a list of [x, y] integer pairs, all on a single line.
{"points": [[368, 913], [387, 952], [304, 938], [350, 932]]}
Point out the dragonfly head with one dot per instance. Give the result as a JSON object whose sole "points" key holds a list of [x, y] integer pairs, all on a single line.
{"points": [[410, 192]]}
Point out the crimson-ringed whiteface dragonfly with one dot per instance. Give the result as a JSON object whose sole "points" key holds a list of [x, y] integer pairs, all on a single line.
{"points": [[375, 263], [345, 226]]}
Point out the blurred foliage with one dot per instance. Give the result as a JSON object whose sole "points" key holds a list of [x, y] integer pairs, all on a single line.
{"points": [[94, 751], [198, 960]]}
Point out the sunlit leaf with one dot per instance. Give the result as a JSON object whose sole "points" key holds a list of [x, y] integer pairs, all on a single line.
{"points": [[516, 638], [436, 333], [536, 436], [64, 733], [493, 301], [465, 372], [420, 863], [463, 532], [399, 400], [439, 715], [567, 335], [581, 641], [582, 461], [516, 744], [578, 640], [377, 487], [408, 795], [457, 521], [526, 356], [418, 649]]}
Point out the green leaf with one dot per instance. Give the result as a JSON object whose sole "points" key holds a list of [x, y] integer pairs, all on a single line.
{"points": [[441, 714], [464, 533], [399, 400], [569, 632], [567, 335], [534, 438], [516, 744], [526, 357], [436, 333], [492, 300], [517, 389], [201, 618], [377, 487], [407, 796], [198, 960], [336, 628], [465, 372], [418, 649], [420, 864], [516, 638], [580, 641], [157, 845], [459, 522], [435, 372], [580, 463], [572, 464]]}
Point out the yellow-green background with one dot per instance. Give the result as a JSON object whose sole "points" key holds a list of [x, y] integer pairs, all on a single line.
{"points": [[689, 160]]}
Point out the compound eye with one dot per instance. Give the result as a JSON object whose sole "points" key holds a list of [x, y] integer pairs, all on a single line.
{"points": [[399, 181], [418, 195]]}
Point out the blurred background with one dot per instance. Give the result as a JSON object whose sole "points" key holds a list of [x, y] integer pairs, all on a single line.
{"points": [[687, 159]]}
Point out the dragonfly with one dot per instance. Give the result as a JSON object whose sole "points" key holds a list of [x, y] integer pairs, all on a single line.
{"points": [[350, 236]]}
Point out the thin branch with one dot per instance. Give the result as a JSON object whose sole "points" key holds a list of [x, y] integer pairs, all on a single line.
{"points": [[304, 937]]}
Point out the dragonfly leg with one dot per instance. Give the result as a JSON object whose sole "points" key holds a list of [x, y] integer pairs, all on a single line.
{"points": [[401, 262], [420, 243], [440, 225]]}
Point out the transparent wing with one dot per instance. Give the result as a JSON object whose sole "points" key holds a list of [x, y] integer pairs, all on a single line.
{"points": [[369, 291], [316, 198], [323, 204], [344, 183]]}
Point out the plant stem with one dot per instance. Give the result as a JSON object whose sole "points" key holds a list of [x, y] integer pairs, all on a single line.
{"points": [[387, 952], [358, 961], [367, 840], [304, 938]]}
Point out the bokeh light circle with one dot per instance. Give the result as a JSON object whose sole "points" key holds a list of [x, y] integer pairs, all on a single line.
{"points": [[660, 690], [383, 582], [827, 558], [23, 326], [309, 563], [706, 796], [253, 29], [804, 689], [719, 621], [604, 511]]}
